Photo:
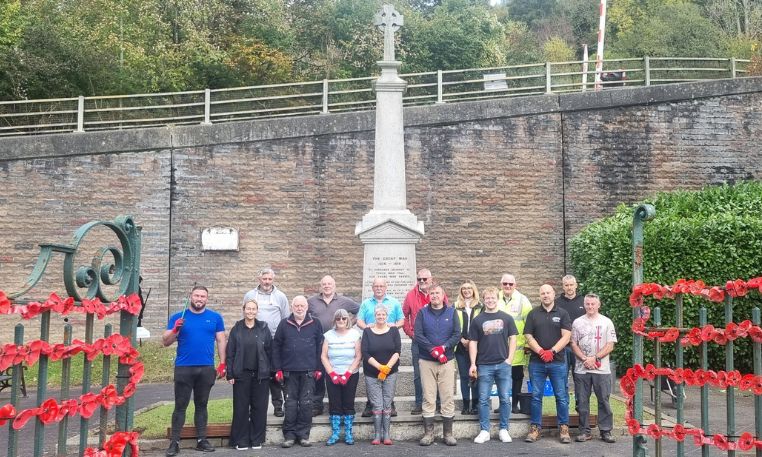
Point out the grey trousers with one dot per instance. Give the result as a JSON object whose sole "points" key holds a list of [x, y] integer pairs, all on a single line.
{"points": [[585, 384], [381, 393]]}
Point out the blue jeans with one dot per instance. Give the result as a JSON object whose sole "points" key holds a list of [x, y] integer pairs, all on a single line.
{"points": [[500, 375], [557, 372], [416, 375]]}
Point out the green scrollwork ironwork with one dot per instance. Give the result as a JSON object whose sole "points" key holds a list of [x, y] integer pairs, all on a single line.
{"points": [[100, 272]]}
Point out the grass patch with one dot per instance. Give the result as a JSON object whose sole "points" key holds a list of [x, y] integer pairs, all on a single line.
{"points": [[158, 361], [617, 407]]}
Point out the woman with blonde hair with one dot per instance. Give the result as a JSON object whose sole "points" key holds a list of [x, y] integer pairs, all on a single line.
{"points": [[341, 359], [467, 306]]}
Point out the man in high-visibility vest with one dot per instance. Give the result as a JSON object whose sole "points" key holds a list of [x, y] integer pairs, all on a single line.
{"points": [[517, 305]]}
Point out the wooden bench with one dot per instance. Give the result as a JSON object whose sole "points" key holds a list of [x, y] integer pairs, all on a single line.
{"points": [[552, 421], [6, 379], [212, 431]]}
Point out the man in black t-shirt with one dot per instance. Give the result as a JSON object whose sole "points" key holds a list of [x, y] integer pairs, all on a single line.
{"points": [[548, 330], [492, 336], [574, 305]]}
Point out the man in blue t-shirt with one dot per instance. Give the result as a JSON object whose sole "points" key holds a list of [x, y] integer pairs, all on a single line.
{"points": [[195, 329]]}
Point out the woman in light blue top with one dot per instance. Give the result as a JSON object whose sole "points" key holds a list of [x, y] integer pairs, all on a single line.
{"points": [[341, 360]]}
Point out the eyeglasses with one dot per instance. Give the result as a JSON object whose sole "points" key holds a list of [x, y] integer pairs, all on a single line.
{"points": [[509, 284], [423, 279], [341, 319]]}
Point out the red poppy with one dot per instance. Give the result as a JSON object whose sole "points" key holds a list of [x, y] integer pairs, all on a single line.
{"points": [[755, 332], [638, 326], [136, 372], [7, 412], [23, 417], [670, 336], [31, 310], [731, 331], [746, 441], [34, 350], [695, 287], [720, 338], [689, 376], [743, 328], [678, 431], [736, 288], [734, 378], [92, 452], [693, 337], [698, 437], [627, 384], [721, 441], [678, 375], [747, 381], [49, 411], [633, 426], [5, 303], [757, 386], [89, 402], [707, 332], [716, 294], [654, 431], [650, 372]]}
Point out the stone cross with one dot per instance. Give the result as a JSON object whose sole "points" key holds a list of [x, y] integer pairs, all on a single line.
{"points": [[388, 20]]}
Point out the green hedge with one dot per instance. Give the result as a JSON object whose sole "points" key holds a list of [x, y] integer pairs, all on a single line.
{"points": [[714, 234]]}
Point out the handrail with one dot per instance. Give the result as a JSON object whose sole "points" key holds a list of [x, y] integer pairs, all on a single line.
{"points": [[111, 112]]}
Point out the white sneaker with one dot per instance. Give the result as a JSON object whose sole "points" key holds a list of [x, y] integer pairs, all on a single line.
{"points": [[505, 437], [242, 448], [482, 437]]}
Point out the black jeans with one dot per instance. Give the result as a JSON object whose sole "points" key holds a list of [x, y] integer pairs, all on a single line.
{"points": [[199, 381], [341, 399], [299, 389], [276, 392], [249, 410], [517, 377]]}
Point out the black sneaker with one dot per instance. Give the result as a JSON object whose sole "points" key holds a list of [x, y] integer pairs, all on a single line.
{"points": [[417, 409], [173, 449], [204, 446], [606, 437], [278, 411]]}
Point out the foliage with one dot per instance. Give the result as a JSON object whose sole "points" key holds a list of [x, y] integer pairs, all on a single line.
{"points": [[714, 235], [55, 48]]}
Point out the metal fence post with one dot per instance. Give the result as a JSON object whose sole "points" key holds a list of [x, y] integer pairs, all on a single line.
{"points": [[17, 373], [81, 114], [207, 107], [440, 96], [647, 69], [325, 96], [643, 213], [733, 67], [548, 81]]}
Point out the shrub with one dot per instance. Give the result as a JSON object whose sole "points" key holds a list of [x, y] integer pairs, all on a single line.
{"points": [[714, 235]]}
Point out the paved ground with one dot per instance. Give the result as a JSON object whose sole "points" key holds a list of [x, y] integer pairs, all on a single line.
{"points": [[148, 394]]}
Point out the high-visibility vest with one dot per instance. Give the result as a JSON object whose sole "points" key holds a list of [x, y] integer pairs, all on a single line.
{"points": [[518, 307]]}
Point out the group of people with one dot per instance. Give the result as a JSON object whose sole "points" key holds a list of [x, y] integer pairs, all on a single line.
{"points": [[297, 353]]}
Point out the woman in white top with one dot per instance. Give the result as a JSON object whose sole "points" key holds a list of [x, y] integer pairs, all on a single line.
{"points": [[341, 360]]}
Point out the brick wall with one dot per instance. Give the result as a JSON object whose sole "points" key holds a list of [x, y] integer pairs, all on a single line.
{"points": [[500, 186]]}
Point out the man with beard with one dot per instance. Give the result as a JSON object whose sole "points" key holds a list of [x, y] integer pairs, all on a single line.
{"points": [[273, 308], [195, 330]]}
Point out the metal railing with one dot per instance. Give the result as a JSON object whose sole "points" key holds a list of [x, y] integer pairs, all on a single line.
{"points": [[116, 112]]}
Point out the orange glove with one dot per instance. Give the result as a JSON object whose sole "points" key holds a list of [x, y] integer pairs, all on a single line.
{"points": [[381, 376], [385, 369]]}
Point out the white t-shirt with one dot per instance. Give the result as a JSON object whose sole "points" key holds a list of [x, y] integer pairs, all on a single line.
{"points": [[591, 335]]}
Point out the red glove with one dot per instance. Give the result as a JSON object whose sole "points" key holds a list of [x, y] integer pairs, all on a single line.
{"points": [[335, 378], [345, 377], [221, 369], [178, 325], [546, 355], [317, 374], [438, 353], [279, 377], [597, 363]]}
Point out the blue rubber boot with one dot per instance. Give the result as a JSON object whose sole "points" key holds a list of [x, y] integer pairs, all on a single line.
{"points": [[348, 422], [335, 428]]}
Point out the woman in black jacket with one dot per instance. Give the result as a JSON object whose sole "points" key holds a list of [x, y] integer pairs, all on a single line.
{"points": [[248, 358]]}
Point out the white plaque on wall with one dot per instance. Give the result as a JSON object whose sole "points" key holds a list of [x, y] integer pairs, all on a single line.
{"points": [[219, 239]]}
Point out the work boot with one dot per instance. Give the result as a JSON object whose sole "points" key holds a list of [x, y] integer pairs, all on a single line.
{"points": [[606, 436], [386, 423], [563, 435], [377, 429], [417, 409], [204, 446], [335, 429], [428, 432], [447, 432], [534, 434], [349, 421]]}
